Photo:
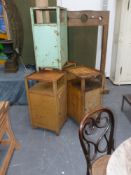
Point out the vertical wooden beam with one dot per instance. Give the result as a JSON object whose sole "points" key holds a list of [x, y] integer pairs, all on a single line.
{"points": [[39, 16], [104, 48], [103, 57]]}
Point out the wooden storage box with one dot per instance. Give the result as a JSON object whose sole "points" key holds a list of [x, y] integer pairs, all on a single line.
{"points": [[84, 91], [47, 99]]}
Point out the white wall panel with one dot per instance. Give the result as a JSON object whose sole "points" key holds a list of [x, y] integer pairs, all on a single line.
{"points": [[81, 4]]}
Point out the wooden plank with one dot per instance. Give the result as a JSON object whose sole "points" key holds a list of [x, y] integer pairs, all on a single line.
{"points": [[47, 76], [83, 72], [87, 18], [39, 14], [104, 48]]}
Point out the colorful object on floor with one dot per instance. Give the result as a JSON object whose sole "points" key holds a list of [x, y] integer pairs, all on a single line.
{"points": [[3, 32], [11, 57], [3, 56]]}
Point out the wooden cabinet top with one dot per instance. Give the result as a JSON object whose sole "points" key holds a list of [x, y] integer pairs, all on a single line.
{"points": [[46, 75], [83, 72]]}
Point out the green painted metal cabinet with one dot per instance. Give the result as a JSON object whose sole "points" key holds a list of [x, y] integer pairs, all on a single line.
{"points": [[49, 27]]}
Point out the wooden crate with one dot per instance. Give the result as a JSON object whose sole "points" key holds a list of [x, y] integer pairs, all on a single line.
{"points": [[83, 91], [47, 99]]}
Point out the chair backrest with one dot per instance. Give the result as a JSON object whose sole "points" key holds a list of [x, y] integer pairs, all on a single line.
{"points": [[96, 134]]}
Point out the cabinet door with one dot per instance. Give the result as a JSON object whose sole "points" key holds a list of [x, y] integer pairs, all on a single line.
{"points": [[125, 26], [125, 69]]}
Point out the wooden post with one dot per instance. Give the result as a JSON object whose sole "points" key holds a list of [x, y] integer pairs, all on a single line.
{"points": [[39, 16], [104, 48], [103, 57]]}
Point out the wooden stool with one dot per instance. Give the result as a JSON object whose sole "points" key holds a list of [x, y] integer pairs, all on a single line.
{"points": [[127, 98], [5, 128]]}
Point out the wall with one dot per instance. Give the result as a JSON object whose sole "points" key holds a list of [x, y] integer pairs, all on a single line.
{"points": [[24, 10], [81, 4]]}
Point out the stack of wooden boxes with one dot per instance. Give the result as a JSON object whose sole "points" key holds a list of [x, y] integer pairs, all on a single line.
{"points": [[47, 97], [48, 101]]}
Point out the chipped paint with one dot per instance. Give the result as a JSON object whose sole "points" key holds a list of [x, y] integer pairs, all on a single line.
{"points": [[50, 42]]}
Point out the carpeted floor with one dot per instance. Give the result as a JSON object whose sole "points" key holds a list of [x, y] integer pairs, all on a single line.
{"points": [[12, 86], [44, 153]]}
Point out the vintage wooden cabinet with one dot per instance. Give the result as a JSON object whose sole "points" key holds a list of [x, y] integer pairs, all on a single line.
{"points": [[47, 99], [83, 91], [49, 27]]}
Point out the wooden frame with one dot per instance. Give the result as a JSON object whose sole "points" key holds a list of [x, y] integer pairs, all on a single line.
{"points": [[47, 99], [5, 128], [92, 18]]}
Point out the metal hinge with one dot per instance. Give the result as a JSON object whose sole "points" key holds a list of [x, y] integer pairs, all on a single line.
{"points": [[120, 70], [128, 6]]}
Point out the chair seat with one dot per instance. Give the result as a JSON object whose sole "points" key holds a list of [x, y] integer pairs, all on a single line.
{"points": [[99, 166]]}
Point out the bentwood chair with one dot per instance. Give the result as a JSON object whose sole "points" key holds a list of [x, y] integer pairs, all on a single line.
{"points": [[7, 138], [96, 137]]}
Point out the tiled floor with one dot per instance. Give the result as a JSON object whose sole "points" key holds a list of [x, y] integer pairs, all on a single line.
{"points": [[44, 153]]}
